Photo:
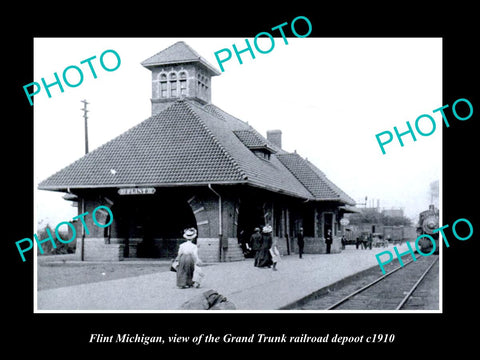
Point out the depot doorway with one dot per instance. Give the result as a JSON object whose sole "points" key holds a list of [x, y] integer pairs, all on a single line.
{"points": [[154, 225]]}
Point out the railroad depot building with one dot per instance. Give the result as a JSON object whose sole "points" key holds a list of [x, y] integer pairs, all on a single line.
{"points": [[192, 164]]}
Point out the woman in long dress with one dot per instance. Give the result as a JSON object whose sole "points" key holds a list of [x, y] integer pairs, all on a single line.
{"points": [[187, 258], [256, 242], [264, 256]]}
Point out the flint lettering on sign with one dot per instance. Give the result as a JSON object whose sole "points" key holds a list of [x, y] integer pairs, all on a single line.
{"points": [[72, 75], [136, 191]]}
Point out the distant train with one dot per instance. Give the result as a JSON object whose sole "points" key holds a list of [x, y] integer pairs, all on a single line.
{"points": [[428, 221], [378, 235]]}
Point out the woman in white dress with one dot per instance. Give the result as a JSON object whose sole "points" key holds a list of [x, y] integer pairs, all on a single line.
{"points": [[187, 258]]}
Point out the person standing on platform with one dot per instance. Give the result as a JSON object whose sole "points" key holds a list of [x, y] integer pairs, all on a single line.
{"points": [[187, 259], [246, 249], [300, 242], [256, 243], [328, 240], [275, 253], [369, 241], [264, 256]]}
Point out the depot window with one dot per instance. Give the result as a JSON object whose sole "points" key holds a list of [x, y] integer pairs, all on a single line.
{"points": [[163, 85], [183, 83], [202, 83], [172, 78], [173, 84]]}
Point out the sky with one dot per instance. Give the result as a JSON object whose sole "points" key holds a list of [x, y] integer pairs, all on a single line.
{"points": [[329, 96]]}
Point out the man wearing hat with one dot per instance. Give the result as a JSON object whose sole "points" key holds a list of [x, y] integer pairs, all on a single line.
{"points": [[328, 240], [300, 242]]}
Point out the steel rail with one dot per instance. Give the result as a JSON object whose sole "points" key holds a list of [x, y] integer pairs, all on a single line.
{"points": [[405, 299], [338, 303]]}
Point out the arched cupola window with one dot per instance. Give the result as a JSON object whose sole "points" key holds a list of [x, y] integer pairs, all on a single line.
{"points": [[183, 83], [172, 79], [163, 85], [173, 84], [202, 84]]}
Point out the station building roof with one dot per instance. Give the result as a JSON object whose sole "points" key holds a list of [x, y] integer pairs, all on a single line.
{"points": [[190, 144]]}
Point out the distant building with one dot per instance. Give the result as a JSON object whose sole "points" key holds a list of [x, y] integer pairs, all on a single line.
{"points": [[191, 164], [435, 193], [393, 212]]}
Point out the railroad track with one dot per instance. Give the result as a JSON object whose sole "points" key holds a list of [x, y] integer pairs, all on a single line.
{"points": [[390, 291]]}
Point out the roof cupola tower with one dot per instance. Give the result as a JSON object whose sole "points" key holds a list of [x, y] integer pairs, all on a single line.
{"points": [[179, 72]]}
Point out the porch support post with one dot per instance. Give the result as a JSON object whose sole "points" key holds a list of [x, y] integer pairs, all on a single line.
{"points": [[220, 229]]}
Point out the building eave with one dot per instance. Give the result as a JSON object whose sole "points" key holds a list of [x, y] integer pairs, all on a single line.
{"points": [[210, 68], [156, 185], [348, 208]]}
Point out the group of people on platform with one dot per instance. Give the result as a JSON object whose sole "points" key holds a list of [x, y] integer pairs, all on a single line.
{"points": [[364, 242], [262, 247]]}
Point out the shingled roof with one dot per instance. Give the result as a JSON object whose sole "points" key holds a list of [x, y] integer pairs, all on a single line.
{"points": [[253, 140], [178, 53], [192, 144], [313, 179]]}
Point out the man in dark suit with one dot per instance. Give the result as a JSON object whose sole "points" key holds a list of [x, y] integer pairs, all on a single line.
{"points": [[300, 242], [328, 240]]}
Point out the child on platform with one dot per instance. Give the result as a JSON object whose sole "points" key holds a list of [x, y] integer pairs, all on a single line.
{"points": [[275, 254]]}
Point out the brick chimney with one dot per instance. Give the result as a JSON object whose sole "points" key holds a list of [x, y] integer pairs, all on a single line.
{"points": [[275, 137]]}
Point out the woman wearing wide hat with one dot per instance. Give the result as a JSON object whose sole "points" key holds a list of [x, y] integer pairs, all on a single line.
{"points": [[187, 258], [264, 256]]}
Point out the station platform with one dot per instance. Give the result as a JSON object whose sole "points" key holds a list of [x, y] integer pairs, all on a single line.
{"points": [[251, 289]]}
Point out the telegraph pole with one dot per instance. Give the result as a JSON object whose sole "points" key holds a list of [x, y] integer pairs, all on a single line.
{"points": [[85, 103]]}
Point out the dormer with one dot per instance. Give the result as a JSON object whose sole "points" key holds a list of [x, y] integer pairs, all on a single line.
{"points": [[255, 143], [179, 72]]}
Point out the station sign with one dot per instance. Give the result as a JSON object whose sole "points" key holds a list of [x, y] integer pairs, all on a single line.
{"points": [[137, 191]]}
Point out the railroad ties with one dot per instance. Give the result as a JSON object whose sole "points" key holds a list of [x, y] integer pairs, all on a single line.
{"points": [[401, 288]]}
